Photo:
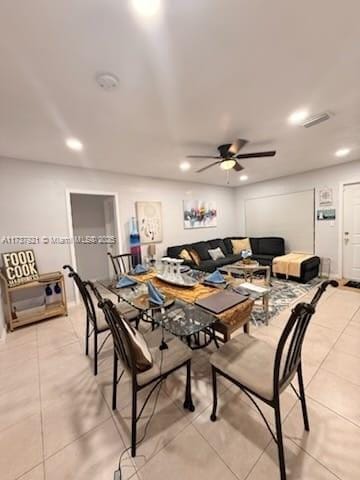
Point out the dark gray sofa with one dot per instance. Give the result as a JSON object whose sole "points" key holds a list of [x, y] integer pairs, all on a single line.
{"points": [[264, 249]]}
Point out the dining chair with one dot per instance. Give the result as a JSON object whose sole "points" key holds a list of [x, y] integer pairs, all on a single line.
{"points": [[122, 263], [263, 371], [164, 361], [95, 320]]}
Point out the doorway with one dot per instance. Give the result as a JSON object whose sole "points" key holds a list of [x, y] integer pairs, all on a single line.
{"points": [[351, 232], [94, 227]]}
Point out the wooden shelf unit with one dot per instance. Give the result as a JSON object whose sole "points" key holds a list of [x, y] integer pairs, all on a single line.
{"points": [[49, 311]]}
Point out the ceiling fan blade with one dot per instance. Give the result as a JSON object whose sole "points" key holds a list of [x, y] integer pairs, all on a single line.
{"points": [[237, 167], [203, 156], [270, 153], [237, 146], [208, 166]]}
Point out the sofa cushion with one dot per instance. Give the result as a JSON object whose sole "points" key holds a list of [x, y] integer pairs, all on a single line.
{"points": [[271, 246], [195, 256], [202, 248], [212, 265], [173, 252], [228, 244], [218, 242], [263, 259], [185, 255], [239, 245], [216, 253], [254, 242]]}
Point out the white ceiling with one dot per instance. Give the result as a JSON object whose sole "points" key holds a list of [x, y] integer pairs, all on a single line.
{"points": [[202, 73]]}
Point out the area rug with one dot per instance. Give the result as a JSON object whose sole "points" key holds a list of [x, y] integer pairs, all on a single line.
{"points": [[284, 293]]}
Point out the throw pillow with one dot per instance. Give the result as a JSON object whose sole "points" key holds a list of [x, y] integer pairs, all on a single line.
{"points": [[185, 255], [240, 245], [195, 257], [139, 348], [216, 253]]}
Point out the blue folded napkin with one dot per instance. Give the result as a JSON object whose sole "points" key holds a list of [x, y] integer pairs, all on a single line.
{"points": [[154, 295], [215, 277], [124, 282], [140, 269]]}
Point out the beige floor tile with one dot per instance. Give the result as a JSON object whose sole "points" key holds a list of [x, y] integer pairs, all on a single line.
{"points": [[20, 403], [20, 447], [343, 365], [19, 375], [239, 434], [299, 465], [336, 393], [104, 382], [331, 440], [356, 318], [167, 422], [36, 473], [187, 456], [49, 340], [353, 329], [67, 419], [94, 456], [17, 355], [18, 337], [287, 402], [201, 386], [349, 344]]}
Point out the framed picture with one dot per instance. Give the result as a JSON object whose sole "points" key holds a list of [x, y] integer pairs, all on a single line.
{"points": [[19, 267], [199, 214], [149, 219], [325, 196], [326, 214]]}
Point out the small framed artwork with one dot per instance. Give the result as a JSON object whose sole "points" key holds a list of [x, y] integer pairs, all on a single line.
{"points": [[199, 214], [325, 196], [326, 214], [149, 219]]}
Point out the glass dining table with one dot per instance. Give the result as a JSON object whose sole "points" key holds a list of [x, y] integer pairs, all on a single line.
{"points": [[191, 323]]}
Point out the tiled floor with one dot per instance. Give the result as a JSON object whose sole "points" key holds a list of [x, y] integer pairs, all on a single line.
{"points": [[56, 421]]}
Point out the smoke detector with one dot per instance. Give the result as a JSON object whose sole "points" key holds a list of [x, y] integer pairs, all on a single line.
{"points": [[107, 81], [316, 119]]}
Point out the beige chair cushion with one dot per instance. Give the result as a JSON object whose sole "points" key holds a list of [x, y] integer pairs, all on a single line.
{"points": [[125, 310], [250, 362], [240, 245], [177, 354]]}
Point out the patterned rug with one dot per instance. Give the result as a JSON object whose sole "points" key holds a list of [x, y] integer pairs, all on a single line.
{"points": [[284, 293]]}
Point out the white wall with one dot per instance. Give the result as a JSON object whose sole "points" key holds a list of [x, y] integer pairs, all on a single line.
{"points": [[326, 232], [88, 215], [33, 202]]}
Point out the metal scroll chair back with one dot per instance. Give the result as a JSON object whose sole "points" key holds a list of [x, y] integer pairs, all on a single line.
{"points": [[85, 295], [288, 353], [122, 263], [122, 344]]}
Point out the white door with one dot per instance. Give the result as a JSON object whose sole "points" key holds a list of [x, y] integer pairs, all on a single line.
{"points": [[351, 232]]}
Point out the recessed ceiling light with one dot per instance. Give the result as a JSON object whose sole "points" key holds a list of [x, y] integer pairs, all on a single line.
{"points": [[342, 152], [184, 166], [243, 178], [146, 8], [297, 117], [74, 144]]}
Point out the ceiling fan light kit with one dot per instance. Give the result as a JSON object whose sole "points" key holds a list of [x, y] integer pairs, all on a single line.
{"points": [[229, 155], [227, 164]]}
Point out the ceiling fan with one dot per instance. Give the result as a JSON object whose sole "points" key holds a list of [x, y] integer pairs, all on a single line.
{"points": [[229, 155]]}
